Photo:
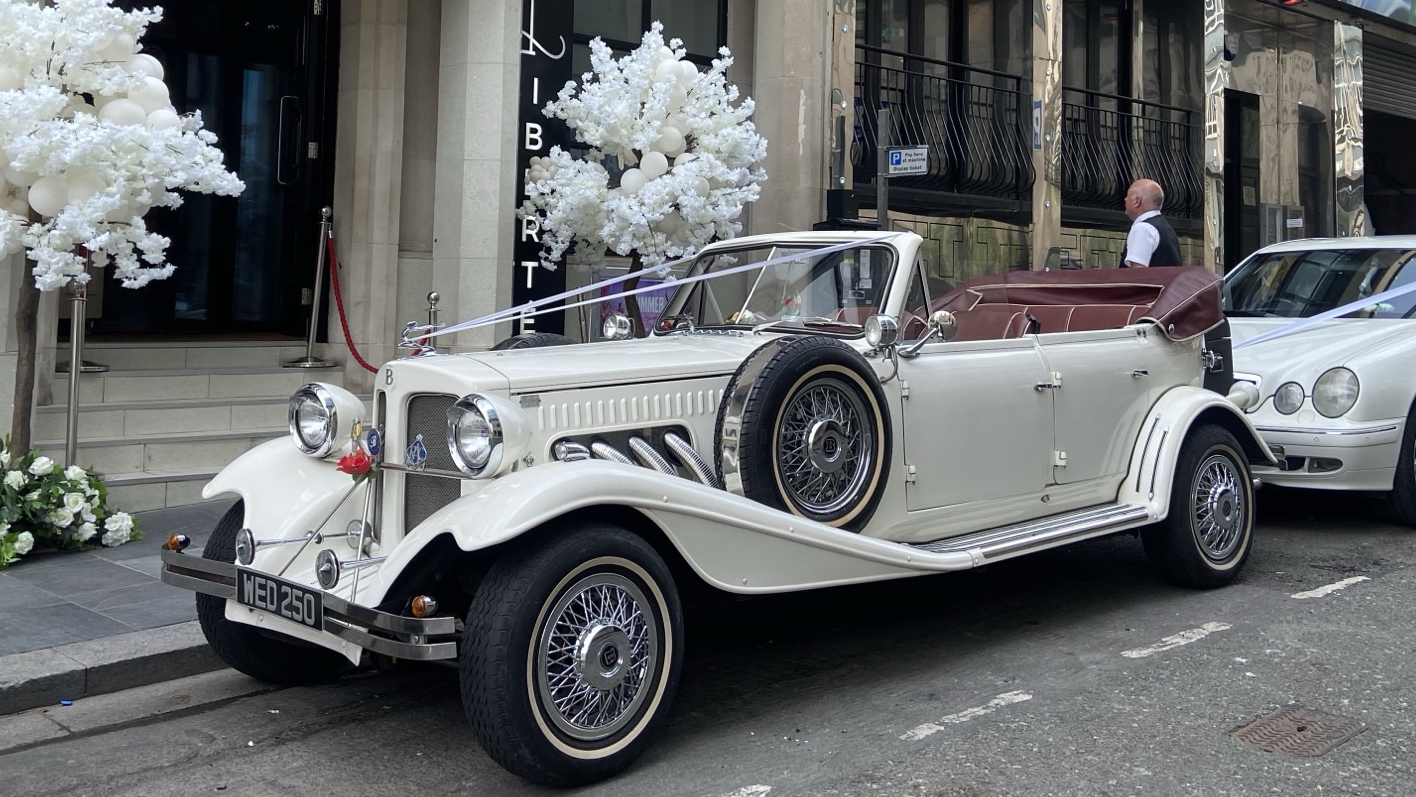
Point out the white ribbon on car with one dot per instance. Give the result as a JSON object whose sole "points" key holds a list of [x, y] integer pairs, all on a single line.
{"points": [[537, 307], [1303, 324]]}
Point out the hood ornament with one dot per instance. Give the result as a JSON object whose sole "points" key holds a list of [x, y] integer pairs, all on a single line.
{"points": [[415, 335]]}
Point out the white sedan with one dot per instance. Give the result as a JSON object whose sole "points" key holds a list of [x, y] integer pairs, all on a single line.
{"points": [[1336, 393]]}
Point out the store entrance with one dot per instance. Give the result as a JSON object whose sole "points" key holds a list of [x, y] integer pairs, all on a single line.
{"points": [[259, 72], [1241, 176]]}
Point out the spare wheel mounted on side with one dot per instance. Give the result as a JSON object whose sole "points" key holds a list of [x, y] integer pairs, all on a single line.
{"points": [[804, 428]]}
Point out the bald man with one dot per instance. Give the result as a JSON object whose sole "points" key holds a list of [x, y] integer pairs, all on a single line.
{"points": [[1151, 241]]}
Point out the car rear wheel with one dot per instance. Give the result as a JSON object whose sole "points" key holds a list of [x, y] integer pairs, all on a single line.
{"points": [[1400, 504], [571, 654], [1206, 536], [261, 655]]}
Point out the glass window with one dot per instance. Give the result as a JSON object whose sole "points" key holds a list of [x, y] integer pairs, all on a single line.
{"points": [[694, 21], [611, 19], [1303, 284]]}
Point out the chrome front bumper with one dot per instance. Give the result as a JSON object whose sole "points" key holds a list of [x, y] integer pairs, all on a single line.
{"points": [[373, 630]]}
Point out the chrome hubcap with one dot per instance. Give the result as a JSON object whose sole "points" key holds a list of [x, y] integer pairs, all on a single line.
{"points": [[1219, 508], [597, 655], [825, 447]]}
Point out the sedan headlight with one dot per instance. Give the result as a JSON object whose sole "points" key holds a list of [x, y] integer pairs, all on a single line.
{"points": [[1335, 392], [1288, 398], [316, 411], [485, 435]]}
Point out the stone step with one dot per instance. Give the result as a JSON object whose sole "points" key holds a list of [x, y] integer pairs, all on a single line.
{"points": [[145, 490], [192, 383], [187, 355], [194, 451], [119, 419]]}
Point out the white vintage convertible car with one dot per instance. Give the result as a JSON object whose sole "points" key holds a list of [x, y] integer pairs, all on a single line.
{"points": [[1338, 395], [810, 418]]}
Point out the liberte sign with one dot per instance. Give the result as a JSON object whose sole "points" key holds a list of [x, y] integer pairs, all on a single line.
{"points": [[545, 67]]}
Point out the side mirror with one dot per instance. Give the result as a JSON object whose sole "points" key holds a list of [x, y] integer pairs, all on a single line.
{"points": [[943, 324]]}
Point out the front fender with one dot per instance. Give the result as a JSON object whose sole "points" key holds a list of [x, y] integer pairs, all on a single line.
{"points": [[1167, 425], [286, 493], [733, 543]]}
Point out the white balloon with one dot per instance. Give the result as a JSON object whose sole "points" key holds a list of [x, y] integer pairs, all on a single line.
{"points": [[121, 214], [632, 180], [687, 72], [83, 184], [4, 185], [672, 222], [701, 187], [78, 105], [123, 112], [665, 54], [19, 207], [687, 157], [677, 98], [164, 119], [144, 64], [19, 178], [152, 94], [666, 69], [119, 50], [10, 80], [48, 196], [677, 122], [670, 141], [654, 164]]}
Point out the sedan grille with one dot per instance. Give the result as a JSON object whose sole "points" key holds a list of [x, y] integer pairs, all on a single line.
{"points": [[423, 495]]}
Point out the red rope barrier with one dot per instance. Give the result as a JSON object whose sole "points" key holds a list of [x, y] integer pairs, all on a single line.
{"points": [[339, 302]]}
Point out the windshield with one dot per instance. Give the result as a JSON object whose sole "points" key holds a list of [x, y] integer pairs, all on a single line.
{"points": [[839, 289], [1302, 284]]}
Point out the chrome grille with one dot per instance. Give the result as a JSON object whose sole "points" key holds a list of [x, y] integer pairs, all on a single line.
{"points": [[424, 495]]}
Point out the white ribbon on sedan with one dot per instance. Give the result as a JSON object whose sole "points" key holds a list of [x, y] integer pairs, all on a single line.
{"points": [[1311, 321]]}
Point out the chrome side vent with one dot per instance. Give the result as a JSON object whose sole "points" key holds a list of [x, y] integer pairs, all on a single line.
{"points": [[648, 457], [685, 454], [672, 447], [603, 450]]}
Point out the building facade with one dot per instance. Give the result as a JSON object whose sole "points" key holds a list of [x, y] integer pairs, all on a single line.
{"points": [[413, 120]]}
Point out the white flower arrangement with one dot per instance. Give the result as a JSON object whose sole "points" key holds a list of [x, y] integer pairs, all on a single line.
{"points": [[90, 143], [62, 509], [693, 157]]}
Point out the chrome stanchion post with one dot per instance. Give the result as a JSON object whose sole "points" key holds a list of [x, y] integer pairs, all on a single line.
{"points": [[79, 297], [310, 360]]}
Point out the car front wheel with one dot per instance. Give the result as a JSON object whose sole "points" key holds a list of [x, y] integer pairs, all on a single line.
{"points": [[1400, 504], [571, 654], [1206, 536]]}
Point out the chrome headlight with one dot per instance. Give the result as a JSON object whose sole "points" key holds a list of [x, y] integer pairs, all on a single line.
{"points": [[316, 411], [880, 331], [1335, 392], [485, 435], [313, 420], [1288, 398]]}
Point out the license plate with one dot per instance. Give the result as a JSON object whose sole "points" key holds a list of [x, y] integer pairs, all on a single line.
{"points": [[281, 598]]}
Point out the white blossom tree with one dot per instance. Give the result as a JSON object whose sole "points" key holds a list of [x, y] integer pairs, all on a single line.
{"points": [[90, 143], [673, 159]]}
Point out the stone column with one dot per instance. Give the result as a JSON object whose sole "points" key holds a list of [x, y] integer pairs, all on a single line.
{"points": [[11, 269], [476, 169], [1216, 81], [368, 178], [1047, 128], [791, 79]]}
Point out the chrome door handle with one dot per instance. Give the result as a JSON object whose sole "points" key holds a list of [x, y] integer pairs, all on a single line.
{"points": [[1041, 386], [1139, 372]]}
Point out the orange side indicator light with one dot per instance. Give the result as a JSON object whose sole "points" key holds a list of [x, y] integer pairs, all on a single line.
{"points": [[177, 542], [424, 606]]}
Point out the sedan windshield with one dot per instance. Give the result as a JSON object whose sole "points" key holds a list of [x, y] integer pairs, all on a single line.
{"points": [[836, 290], [1302, 284]]}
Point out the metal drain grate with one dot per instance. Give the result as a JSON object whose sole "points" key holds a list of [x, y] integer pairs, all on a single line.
{"points": [[1294, 730]]}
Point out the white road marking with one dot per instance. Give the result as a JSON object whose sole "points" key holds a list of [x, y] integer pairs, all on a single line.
{"points": [[750, 791], [1330, 588], [1170, 642], [1005, 699]]}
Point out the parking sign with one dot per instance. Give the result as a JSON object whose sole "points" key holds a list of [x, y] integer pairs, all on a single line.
{"points": [[908, 160]]}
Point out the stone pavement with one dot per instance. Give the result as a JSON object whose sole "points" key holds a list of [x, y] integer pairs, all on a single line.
{"points": [[47, 600], [67, 620]]}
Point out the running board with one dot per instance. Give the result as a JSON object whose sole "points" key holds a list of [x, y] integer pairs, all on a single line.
{"points": [[1044, 533]]}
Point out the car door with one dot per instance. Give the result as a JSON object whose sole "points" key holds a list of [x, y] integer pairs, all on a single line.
{"points": [[976, 426], [1102, 390]]}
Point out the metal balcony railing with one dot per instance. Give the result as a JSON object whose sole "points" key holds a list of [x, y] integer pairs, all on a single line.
{"points": [[1108, 141], [971, 119]]}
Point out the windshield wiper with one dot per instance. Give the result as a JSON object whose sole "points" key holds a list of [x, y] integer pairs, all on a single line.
{"points": [[805, 322]]}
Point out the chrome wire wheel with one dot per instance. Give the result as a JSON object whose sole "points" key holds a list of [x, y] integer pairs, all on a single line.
{"points": [[825, 447], [595, 656], [1218, 506]]}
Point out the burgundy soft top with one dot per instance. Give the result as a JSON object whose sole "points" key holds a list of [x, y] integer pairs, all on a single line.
{"points": [[1183, 302]]}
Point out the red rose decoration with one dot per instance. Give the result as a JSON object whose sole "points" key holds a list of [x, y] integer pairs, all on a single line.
{"points": [[357, 464]]}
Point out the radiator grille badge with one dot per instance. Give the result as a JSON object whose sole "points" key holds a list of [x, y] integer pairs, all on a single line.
{"points": [[417, 454]]}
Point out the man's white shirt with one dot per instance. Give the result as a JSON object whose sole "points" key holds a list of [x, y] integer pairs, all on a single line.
{"points": [[1142, 240]]}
